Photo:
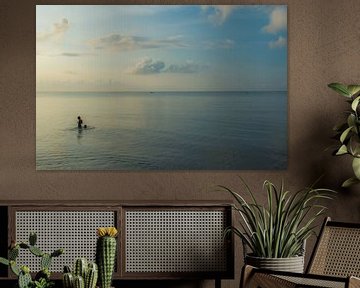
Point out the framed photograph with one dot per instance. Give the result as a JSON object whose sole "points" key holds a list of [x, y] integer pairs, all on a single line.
{"points": [[161, 87]]}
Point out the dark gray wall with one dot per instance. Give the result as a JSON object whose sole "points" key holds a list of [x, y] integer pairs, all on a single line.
{"points": [[323, 47]]}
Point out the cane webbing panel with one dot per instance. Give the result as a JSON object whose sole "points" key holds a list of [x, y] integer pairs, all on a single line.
{"points": [[338, 252], [313, 282], [74, 231], [174, 241], [260, 280]]}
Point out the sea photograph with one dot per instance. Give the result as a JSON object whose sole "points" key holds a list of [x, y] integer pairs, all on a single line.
{"points": [[161, 87]]}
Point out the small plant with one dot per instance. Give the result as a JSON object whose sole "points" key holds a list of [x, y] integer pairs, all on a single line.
{"points": [[348, 132], [43, 283], [106, 254], [85, 275], [42, 278], [279, 229]]}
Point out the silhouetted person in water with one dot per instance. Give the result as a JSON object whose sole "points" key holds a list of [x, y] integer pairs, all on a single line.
{"points": [[79, 122]]}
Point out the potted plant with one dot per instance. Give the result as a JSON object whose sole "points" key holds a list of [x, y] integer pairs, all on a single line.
{"points": [[276, 233], [348, 133]]}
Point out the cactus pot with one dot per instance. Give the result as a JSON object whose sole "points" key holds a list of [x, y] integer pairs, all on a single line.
{"points": [[291, 264]]}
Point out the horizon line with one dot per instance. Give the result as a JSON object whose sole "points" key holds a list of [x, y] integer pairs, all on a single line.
{"points": [[150, 91]]}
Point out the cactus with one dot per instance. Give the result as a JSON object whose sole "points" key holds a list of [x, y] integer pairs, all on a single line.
{"points": [[42, 278], [67, 269], [45, 261], [106, 254], [13, 253], [90, 272], [36, 251], [44, 273], [4, 261], [91, 276], [24, 279], [68, 280], [57, 252], [14, 268], [80, 267], [79, 282], [32, 238], [24, 245]]}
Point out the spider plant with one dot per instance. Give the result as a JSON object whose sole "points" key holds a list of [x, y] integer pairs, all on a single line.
{"points": [[279, 229]]}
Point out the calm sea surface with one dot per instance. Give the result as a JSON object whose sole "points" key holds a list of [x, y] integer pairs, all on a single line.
{"points": [[161, 131]]}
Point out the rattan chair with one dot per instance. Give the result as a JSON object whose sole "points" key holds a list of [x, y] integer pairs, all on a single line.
{"points": [[334, 263]]}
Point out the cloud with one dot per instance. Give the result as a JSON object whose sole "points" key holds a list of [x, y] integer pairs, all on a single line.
{"points": [[280, 42], [278, 21], [218, 14], [188, 67], [74, 54], [148, 66], [116, 42], [70, 54], [221, 44], [57, 32]]}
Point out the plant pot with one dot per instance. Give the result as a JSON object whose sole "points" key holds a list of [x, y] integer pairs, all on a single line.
{"points": [[291, 264]]}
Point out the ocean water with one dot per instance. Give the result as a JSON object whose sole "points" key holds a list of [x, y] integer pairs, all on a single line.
{"points": [[161, 131]]}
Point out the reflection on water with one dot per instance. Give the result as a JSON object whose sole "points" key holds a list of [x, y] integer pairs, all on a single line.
{"points": [[177, 130]]}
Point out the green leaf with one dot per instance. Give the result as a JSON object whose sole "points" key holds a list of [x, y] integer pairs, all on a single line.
{"points": [[355, 103], [349, 182], [351, 120], [340, 88], [353, 89], [356, 167], [342, 150], [345, 134], [4, 261], [279, 228], [354, 144]]}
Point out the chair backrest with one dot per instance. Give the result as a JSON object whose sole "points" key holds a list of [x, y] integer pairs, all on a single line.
{"points": [[337, 251]]}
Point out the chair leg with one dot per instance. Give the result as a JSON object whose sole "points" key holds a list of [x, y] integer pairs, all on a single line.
{"points": [[246, 273], [217, 283]]}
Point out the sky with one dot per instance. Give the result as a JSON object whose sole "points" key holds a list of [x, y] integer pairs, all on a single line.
{"points": [[161, 47]]}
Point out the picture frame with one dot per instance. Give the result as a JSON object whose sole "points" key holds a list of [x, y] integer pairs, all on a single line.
{"points": [[161, 87]]}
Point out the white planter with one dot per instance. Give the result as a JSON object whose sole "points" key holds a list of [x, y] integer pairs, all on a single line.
{"points": [[291, 264]]}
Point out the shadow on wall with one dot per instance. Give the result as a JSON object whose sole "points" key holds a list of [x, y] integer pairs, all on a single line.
{"points": [[317, 148]]}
